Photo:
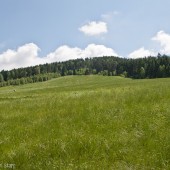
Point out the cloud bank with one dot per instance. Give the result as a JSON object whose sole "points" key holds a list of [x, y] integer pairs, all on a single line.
{"points": [[162, 38], [27, 55], [94, 28], [141, 52]]}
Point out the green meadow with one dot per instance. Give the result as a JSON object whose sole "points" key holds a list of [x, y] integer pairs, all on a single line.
{"points": [[86, 122]]}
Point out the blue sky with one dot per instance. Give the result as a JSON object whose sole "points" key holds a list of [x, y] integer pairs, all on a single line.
{"points": [[39, 31]]}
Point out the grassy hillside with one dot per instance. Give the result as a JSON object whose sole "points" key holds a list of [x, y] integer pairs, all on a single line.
{"points": [[86, 122]]}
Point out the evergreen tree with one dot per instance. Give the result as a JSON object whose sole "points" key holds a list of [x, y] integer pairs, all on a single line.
{"points": [[36, 70], [1, 78], [142, 73]]}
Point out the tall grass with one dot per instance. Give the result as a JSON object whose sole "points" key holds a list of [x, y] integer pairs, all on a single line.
{"points": [[86, 122]]}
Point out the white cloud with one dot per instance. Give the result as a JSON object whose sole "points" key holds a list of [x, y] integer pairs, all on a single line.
{"points": [[64, 53], [27, 55], [94, 28], [164, 40], [140, 53], [93, 50]]}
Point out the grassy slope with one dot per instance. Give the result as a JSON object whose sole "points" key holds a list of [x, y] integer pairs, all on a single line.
{"points": [[86, 122]]}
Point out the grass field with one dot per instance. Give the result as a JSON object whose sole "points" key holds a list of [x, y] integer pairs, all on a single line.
{"points": [[86, 122]]}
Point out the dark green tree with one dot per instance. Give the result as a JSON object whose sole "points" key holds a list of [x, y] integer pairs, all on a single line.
{"points": [[1, 78], [142, 73]]}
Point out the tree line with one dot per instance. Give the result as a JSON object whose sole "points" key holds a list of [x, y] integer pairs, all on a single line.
{"points": [[148, 67]]}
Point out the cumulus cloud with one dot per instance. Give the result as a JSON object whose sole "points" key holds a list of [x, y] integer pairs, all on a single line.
{"points": [[27, 55], [164, 40], [64, 53], [93, 50], [141, 52], [94, 28]]}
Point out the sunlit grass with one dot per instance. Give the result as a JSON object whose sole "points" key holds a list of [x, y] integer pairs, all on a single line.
{"points": [[86, 122]]}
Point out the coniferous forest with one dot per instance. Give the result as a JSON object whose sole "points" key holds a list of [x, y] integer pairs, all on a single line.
{"points": [[148, 67]]}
